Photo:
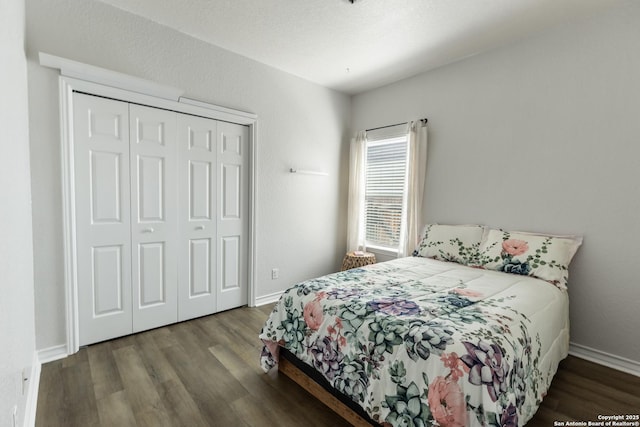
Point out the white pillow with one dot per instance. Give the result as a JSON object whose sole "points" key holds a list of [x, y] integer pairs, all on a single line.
{"points": [[546, 257], [455, 243]]}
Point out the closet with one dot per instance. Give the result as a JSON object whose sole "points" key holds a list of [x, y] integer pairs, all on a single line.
{"points": [[161, 225]]}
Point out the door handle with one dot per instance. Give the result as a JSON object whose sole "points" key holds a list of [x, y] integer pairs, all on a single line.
{"points": [[148, 230], [200, 227]]}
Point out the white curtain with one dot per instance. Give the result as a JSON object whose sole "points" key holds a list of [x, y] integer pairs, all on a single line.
{"points": [[416, 173], [355, 222]]}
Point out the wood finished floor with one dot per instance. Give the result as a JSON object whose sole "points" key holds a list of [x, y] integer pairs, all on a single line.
{"points": [[206, 372]]}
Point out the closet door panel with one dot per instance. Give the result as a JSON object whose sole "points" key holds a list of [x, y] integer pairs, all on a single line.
{"points": [[200, 187], [102, 220], [197, 225], [232, 216], [105, 192], [107, 280], [151, 189], [154, 216], [200, 269], [232, 193], [153, 286], [231, 263]]}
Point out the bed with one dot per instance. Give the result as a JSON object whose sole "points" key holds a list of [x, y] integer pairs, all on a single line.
{"points": [[469, 331]]}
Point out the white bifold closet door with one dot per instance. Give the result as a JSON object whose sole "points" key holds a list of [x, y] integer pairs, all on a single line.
{"points": [[214, 215], [197, 151], [232, 215], [161, 216], [154, 216], [102, 217]]}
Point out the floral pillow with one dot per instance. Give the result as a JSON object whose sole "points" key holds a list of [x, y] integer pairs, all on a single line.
{"points": [[541, 256], [455, 243]]}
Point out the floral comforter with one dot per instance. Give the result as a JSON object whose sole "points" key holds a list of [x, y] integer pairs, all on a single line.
{"points": [[419, 342]]}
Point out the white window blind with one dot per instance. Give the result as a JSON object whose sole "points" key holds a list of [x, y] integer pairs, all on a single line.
{"points": [[385, 183]]}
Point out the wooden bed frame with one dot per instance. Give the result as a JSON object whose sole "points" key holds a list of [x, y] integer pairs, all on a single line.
{"points": [[316, 390]]}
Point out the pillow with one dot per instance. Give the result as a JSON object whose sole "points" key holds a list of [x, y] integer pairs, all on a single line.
{"points": [[456, 243], [546, 257]]}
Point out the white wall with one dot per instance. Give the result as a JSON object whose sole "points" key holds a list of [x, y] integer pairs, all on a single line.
{"points": [[300, 218], [17, 332], [543, 135]]}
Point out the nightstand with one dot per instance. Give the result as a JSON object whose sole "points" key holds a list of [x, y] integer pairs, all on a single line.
{"points": [[356, 259]]}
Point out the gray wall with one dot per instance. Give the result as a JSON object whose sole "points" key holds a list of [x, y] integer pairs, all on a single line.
{"points": [[300, 218], [17, 331], [543, 135]]}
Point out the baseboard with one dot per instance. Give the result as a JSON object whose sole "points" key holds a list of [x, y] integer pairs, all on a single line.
{"points": [[606, 359], [52, 353], [268, 299], [39, 357], [32, 392]]}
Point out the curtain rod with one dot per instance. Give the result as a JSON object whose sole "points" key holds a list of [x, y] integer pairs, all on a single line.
{"points": [[424, 121]]}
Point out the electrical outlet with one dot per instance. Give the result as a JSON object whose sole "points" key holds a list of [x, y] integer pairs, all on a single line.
{"points": [[275, 273]]}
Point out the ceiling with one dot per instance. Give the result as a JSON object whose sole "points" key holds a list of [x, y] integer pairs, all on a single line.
{"points": [[356, 47]]}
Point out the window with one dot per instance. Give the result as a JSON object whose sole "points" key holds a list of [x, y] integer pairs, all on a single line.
{"points": [[386, 188], [385, 175]]}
